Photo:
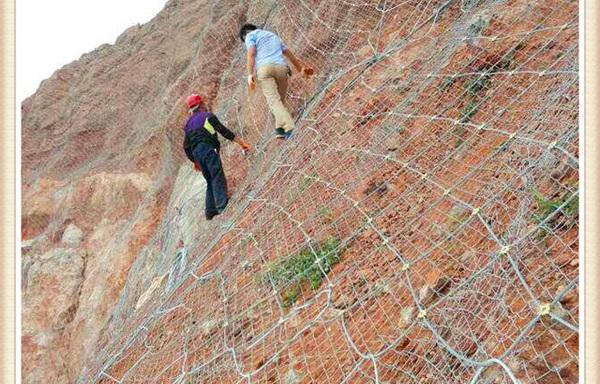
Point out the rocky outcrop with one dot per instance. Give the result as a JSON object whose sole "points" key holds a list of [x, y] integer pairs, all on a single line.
{"points": [[100, 149], [51, 300], [425, 147]]}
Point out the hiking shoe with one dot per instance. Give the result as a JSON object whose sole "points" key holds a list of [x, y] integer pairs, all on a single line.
{"points": [[211, 214], [280, 133]]}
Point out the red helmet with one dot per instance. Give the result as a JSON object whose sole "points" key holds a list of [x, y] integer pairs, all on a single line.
{"points": [[193, 100]]}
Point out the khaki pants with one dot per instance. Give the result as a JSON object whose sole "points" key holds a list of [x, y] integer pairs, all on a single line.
{"points": [[273, 80]]}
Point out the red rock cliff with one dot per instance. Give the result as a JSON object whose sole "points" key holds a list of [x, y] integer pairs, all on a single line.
{"points": [[421, 225]]}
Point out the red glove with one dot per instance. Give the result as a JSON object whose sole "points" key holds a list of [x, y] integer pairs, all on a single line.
{"points": [[197, 167], [245, 146]]}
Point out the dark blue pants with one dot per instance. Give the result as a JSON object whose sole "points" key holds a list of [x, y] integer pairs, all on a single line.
{"points": [[212, 169]]}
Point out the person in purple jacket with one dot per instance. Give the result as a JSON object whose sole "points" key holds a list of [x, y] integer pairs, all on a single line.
{"points": [[201, 146]]}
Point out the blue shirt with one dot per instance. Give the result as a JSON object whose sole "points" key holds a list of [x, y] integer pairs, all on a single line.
{"points": [[269, 47]]}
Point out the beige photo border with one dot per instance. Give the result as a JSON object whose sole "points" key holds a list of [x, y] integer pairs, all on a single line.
{"points": [[8, 231], [591, 270], [7, 194]]}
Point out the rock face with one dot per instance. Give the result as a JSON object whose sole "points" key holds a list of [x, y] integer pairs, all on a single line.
{"points": [[426, 148], [52, 297], [72, 235]]}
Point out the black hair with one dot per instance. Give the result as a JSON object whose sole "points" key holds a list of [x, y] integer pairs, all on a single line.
{"points": [[245, 29]]}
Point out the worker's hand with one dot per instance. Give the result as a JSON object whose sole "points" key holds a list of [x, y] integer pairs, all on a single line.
{"points": [[197, 167], [245, 146], [307, 72], [251, 82]]}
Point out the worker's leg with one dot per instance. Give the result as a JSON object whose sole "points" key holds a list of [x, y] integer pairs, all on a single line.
{"points": [[282, 74], [210, 206], [200, 155], [218, 181], [266, 77], [281, 77]]}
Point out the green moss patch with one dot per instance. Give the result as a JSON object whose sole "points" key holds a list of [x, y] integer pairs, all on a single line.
{"points": [[305, 268]]}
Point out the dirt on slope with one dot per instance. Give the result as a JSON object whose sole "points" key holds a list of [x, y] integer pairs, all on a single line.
{"points": [[420, 226]]}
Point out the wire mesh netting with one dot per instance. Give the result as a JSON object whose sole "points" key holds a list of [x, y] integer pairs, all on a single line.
{"points": [[420, 226]]}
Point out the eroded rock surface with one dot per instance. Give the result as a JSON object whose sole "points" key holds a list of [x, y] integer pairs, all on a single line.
{"points": [[426, 145]]}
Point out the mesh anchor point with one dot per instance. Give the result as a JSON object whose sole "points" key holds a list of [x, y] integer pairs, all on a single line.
{"points": [[422, 314], [552, 145], [475, 211], [504, 250], [544, 309], [446, 192], [405, 267]]}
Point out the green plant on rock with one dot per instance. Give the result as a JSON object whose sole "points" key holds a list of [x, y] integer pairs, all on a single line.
{"points": [[301, 187], [468, 112], [290, 296], [546, 206], [475, 86], [307, 267], [508, 61], [326, 213], [460, 133], [306, 181], [447, 82], [456, 217]]}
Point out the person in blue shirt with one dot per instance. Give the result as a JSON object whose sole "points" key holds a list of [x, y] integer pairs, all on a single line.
{"points": [[267, 66]]}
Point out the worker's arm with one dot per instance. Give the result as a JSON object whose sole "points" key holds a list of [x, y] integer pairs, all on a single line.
{"points": [[187, 147], [306, 71], [250, 65], [226, 133], [251, 59]]}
